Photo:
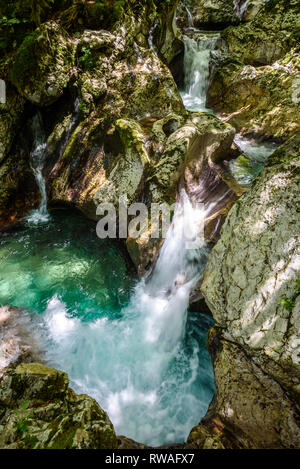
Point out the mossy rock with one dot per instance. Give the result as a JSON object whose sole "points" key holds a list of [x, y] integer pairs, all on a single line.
{"points": [[38, 410], [43, 64]]}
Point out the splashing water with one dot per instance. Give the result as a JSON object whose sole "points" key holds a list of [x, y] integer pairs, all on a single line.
{"points": [[197, 58], [37, 159], [142, 359], [248, 166]]}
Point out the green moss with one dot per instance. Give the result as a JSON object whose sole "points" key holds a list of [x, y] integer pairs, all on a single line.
{"points": [[25, 61], [65, 439], [86, 60]]}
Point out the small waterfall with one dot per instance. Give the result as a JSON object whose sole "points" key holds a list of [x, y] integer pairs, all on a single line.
{"points": [[190, 18], [197, 69], [37, 159], [247, 166], [151, 35]]}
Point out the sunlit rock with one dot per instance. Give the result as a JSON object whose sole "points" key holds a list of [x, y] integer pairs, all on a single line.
{"points": [[39, 410], [43, 64]]}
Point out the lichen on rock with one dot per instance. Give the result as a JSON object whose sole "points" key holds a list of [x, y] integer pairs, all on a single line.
{"points": [[250, 285], [43, 64], [39, 410]]}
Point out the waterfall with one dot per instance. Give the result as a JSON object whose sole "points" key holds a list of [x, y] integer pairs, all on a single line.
{"points": [[151, 36], [145, 368], [190, 18], [240, 7], [164, 299], [37, 160], [197, 58]]}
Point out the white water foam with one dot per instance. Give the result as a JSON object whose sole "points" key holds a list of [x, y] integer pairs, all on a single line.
{"points": [[197, 58], [143, 368]]}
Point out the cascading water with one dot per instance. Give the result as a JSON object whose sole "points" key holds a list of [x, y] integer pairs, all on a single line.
{"points": [[37, 159], [197, 58], [240, 7], [145, 363], [190, 18], [151, 36], [248, 166]]}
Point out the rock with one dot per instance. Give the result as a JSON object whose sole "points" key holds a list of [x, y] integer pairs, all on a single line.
{"points": [[215, 14], [18, 340], [18, 190], [250, 287], [40, 411], [10, 119], [268, 37], [127, 443], [166, 36], [143, 161], [255, 86], [250, 409], [262, 100], [43, 64]]}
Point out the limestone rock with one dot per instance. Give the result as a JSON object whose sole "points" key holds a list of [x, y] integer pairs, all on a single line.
{"points": [[262, 100], [38, 410], [255, 86], [250, 409], [250, 279], [216, 13], [43, 64], [268, 37], [17, 339]]}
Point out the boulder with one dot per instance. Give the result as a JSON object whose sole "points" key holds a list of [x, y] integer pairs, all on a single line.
{"points": [[43, 64], [251, 285], [39, 411], [259, 100], [10, 118]]}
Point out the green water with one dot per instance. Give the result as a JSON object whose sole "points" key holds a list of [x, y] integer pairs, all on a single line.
{"points": [[63, 258]]}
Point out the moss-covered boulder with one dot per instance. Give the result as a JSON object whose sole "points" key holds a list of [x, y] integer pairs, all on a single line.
{"points": [[268, 37], [43, 64], [38, 410], [259, 100], [215, 14], [256, 83]]}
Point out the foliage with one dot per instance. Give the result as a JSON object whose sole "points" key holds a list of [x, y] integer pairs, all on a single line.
{"points": [[23, 416], [289, 303], [86, 60]]}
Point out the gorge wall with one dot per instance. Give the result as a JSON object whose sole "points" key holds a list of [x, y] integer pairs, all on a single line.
{"points": [[114, 124]]}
